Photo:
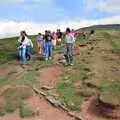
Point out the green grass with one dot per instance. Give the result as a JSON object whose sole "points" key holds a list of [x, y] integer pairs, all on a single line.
{"points": [[86, 92], [9, 51], [110, 93], [2, 108], [116, 44], [13, 99], [67, 90], [11, 106], [4, 79], [114, 40], [110, 87], [25, 112], [69, 97]]}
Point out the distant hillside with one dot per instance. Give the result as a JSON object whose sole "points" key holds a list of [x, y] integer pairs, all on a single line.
{"points": [[15, 38], [103, 27]]}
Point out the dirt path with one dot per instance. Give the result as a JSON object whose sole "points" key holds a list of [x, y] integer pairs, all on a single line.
{"points": [[50, 76], [104, 66]]}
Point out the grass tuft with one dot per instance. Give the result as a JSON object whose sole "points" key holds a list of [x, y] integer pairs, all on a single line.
{"points": [[25, 112]]}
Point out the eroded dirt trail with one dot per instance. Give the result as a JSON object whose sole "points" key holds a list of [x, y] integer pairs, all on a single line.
{"points": [[46, 110], [104, 66], [50, 76]]}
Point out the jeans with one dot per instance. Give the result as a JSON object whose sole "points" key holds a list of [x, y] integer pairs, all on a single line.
{"points": [[22, 55], [28, 52], [48, 49], [69, 52]]}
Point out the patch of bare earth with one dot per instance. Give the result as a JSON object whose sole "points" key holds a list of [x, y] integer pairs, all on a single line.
{"points": [[50, 76], [12, 116], [46, 110]]}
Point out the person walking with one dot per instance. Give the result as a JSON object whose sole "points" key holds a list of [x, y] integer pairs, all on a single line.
{"points": [[70, 44], [48, 45], [54, 40], [59, 36], [39, 41], [28, 46], [22, 48]]}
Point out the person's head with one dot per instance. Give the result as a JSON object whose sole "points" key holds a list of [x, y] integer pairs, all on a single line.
{"points": [[39, 33], [53, 33], [22, 36], [46, 32], [25, 34], [68, 30]]}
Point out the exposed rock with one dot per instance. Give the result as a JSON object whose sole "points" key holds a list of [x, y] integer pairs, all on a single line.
{"points": [[77, 116], [39, 91], [46, 88], [53, 93], [53, 101], [82, 45], [109, 104]]}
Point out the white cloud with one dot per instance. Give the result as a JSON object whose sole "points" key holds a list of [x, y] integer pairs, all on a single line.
{"points": [[110, 6], [11, 28]]}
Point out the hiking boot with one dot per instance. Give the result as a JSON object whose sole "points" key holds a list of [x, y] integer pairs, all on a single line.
{"points": [[46, 59], [71, 64], [50, 58]]}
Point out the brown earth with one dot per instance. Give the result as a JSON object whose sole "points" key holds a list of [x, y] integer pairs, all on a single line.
{"points": [[103, 64], [50, 76]]}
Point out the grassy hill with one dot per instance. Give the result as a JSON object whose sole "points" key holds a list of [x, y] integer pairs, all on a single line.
{"points": [[103, 27], [95, 73]]}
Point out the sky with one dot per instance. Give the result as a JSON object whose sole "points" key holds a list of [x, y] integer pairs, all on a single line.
{"points": [[37, 15]]}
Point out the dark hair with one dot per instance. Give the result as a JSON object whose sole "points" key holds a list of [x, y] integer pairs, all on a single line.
{"points": [[68, 30], [23, 38], [24, 32]]}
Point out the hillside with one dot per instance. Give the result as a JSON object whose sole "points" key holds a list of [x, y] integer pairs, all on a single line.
{"points": [[103, 27], [49, 90]]}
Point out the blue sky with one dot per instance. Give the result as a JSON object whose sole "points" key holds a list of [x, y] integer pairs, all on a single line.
{"points": [[56, 10], [31, 14]]}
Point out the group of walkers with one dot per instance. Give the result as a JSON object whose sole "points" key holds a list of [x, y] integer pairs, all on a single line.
{"points": [[46, 43]]}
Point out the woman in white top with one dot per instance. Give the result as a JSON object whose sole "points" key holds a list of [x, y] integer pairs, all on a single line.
{"points": [[28, 46], [24, 43]]}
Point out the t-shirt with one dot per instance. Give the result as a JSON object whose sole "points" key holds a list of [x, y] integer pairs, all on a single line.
{"points": [[59, 35], [69, 38], [48, 38], [39, 38]]}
